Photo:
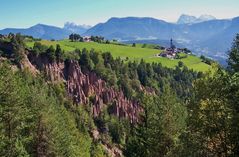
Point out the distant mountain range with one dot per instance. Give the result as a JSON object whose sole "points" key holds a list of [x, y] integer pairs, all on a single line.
{"points": [[212, 37], [49, 32], [204, 35]]}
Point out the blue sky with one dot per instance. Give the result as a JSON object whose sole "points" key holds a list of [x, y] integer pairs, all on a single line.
{"points": [[25, 13]]}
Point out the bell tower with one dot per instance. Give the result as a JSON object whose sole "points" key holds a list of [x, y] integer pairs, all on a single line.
{"points": [[171, 43], [172, 46]]}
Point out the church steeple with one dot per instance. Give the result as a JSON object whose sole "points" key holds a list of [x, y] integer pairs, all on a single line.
{"points": [[171, 43]]}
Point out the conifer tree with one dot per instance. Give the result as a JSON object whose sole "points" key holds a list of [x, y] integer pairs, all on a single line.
{"points": [[233, 60]]}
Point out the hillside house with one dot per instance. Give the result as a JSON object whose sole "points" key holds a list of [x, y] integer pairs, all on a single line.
{"points": [[87, 39], [170, 52], [166, 54]]}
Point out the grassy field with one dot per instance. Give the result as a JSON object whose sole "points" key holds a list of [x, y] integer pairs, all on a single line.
{"points": [[133, 53]]}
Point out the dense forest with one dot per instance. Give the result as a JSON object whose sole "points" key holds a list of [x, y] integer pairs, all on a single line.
{"points": [[184, 113]]}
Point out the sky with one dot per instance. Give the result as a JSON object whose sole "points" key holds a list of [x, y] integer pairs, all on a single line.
{"points": [[26, 13]]}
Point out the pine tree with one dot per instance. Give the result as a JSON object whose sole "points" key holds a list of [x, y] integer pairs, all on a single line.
{"points": [[14, 113], [59, 52], [163, 122], [85, 60], [51, 53], [210, 116], [233, 60]]}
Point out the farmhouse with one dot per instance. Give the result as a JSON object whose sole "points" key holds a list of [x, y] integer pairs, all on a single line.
{"points": [[87, 39]]}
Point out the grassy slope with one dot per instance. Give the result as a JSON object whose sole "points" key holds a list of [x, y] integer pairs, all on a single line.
{"points": [[134, 53], [150, 46]]}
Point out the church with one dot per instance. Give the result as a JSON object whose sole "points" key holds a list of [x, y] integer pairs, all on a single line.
{"points": [[170, 52]]}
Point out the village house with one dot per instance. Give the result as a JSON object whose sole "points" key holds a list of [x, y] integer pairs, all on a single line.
{"points": [[87, 39], [170, 52]]}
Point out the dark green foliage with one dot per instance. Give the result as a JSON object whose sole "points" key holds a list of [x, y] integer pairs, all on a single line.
{"points": [[59, 52], [112, 129], [210, 116], [233, 97], [95, 57], [180, 64], [233, 60], [51, 53], [97, 39], [75, 37], [18, 47], [144, 45], [97, 150], [213, 116], [163, 122], [117, 130], [207, 60], [1, 53], [126, 86], [187, 51], [15, 115], [38, 48], [108, 58], [132, 75], [33, 122], [85, 122], [178, 56], [107, 42], [85, 61]]}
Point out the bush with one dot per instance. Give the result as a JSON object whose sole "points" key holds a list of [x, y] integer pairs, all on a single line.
{"points": [[51, 53], [38, 48], [85, 61], [180, 64]]}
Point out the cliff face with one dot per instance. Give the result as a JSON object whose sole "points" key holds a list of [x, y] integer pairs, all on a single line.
{"points": [[85, 88]]}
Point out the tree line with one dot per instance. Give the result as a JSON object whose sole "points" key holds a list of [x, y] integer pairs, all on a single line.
{"points": [[76, 37]]}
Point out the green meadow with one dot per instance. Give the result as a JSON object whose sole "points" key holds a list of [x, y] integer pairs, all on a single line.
{"points": [[132, 53]]}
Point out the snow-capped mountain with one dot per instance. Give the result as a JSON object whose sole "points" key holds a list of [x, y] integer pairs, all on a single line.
{"points": [[204, 18], [72, 27], [188, 19]]}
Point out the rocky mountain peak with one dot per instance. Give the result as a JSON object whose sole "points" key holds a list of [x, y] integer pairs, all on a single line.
{"points": [[188, 19], [75, 28]]}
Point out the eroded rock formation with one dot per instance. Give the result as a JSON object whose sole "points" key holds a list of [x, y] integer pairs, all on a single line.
{"points": [[88, 88]]}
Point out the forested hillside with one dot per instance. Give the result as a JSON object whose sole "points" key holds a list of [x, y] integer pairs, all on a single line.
{"points": [[86, 103]]}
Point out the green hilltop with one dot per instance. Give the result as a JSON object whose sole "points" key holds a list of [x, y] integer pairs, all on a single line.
{"points": [[124, 51]]}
